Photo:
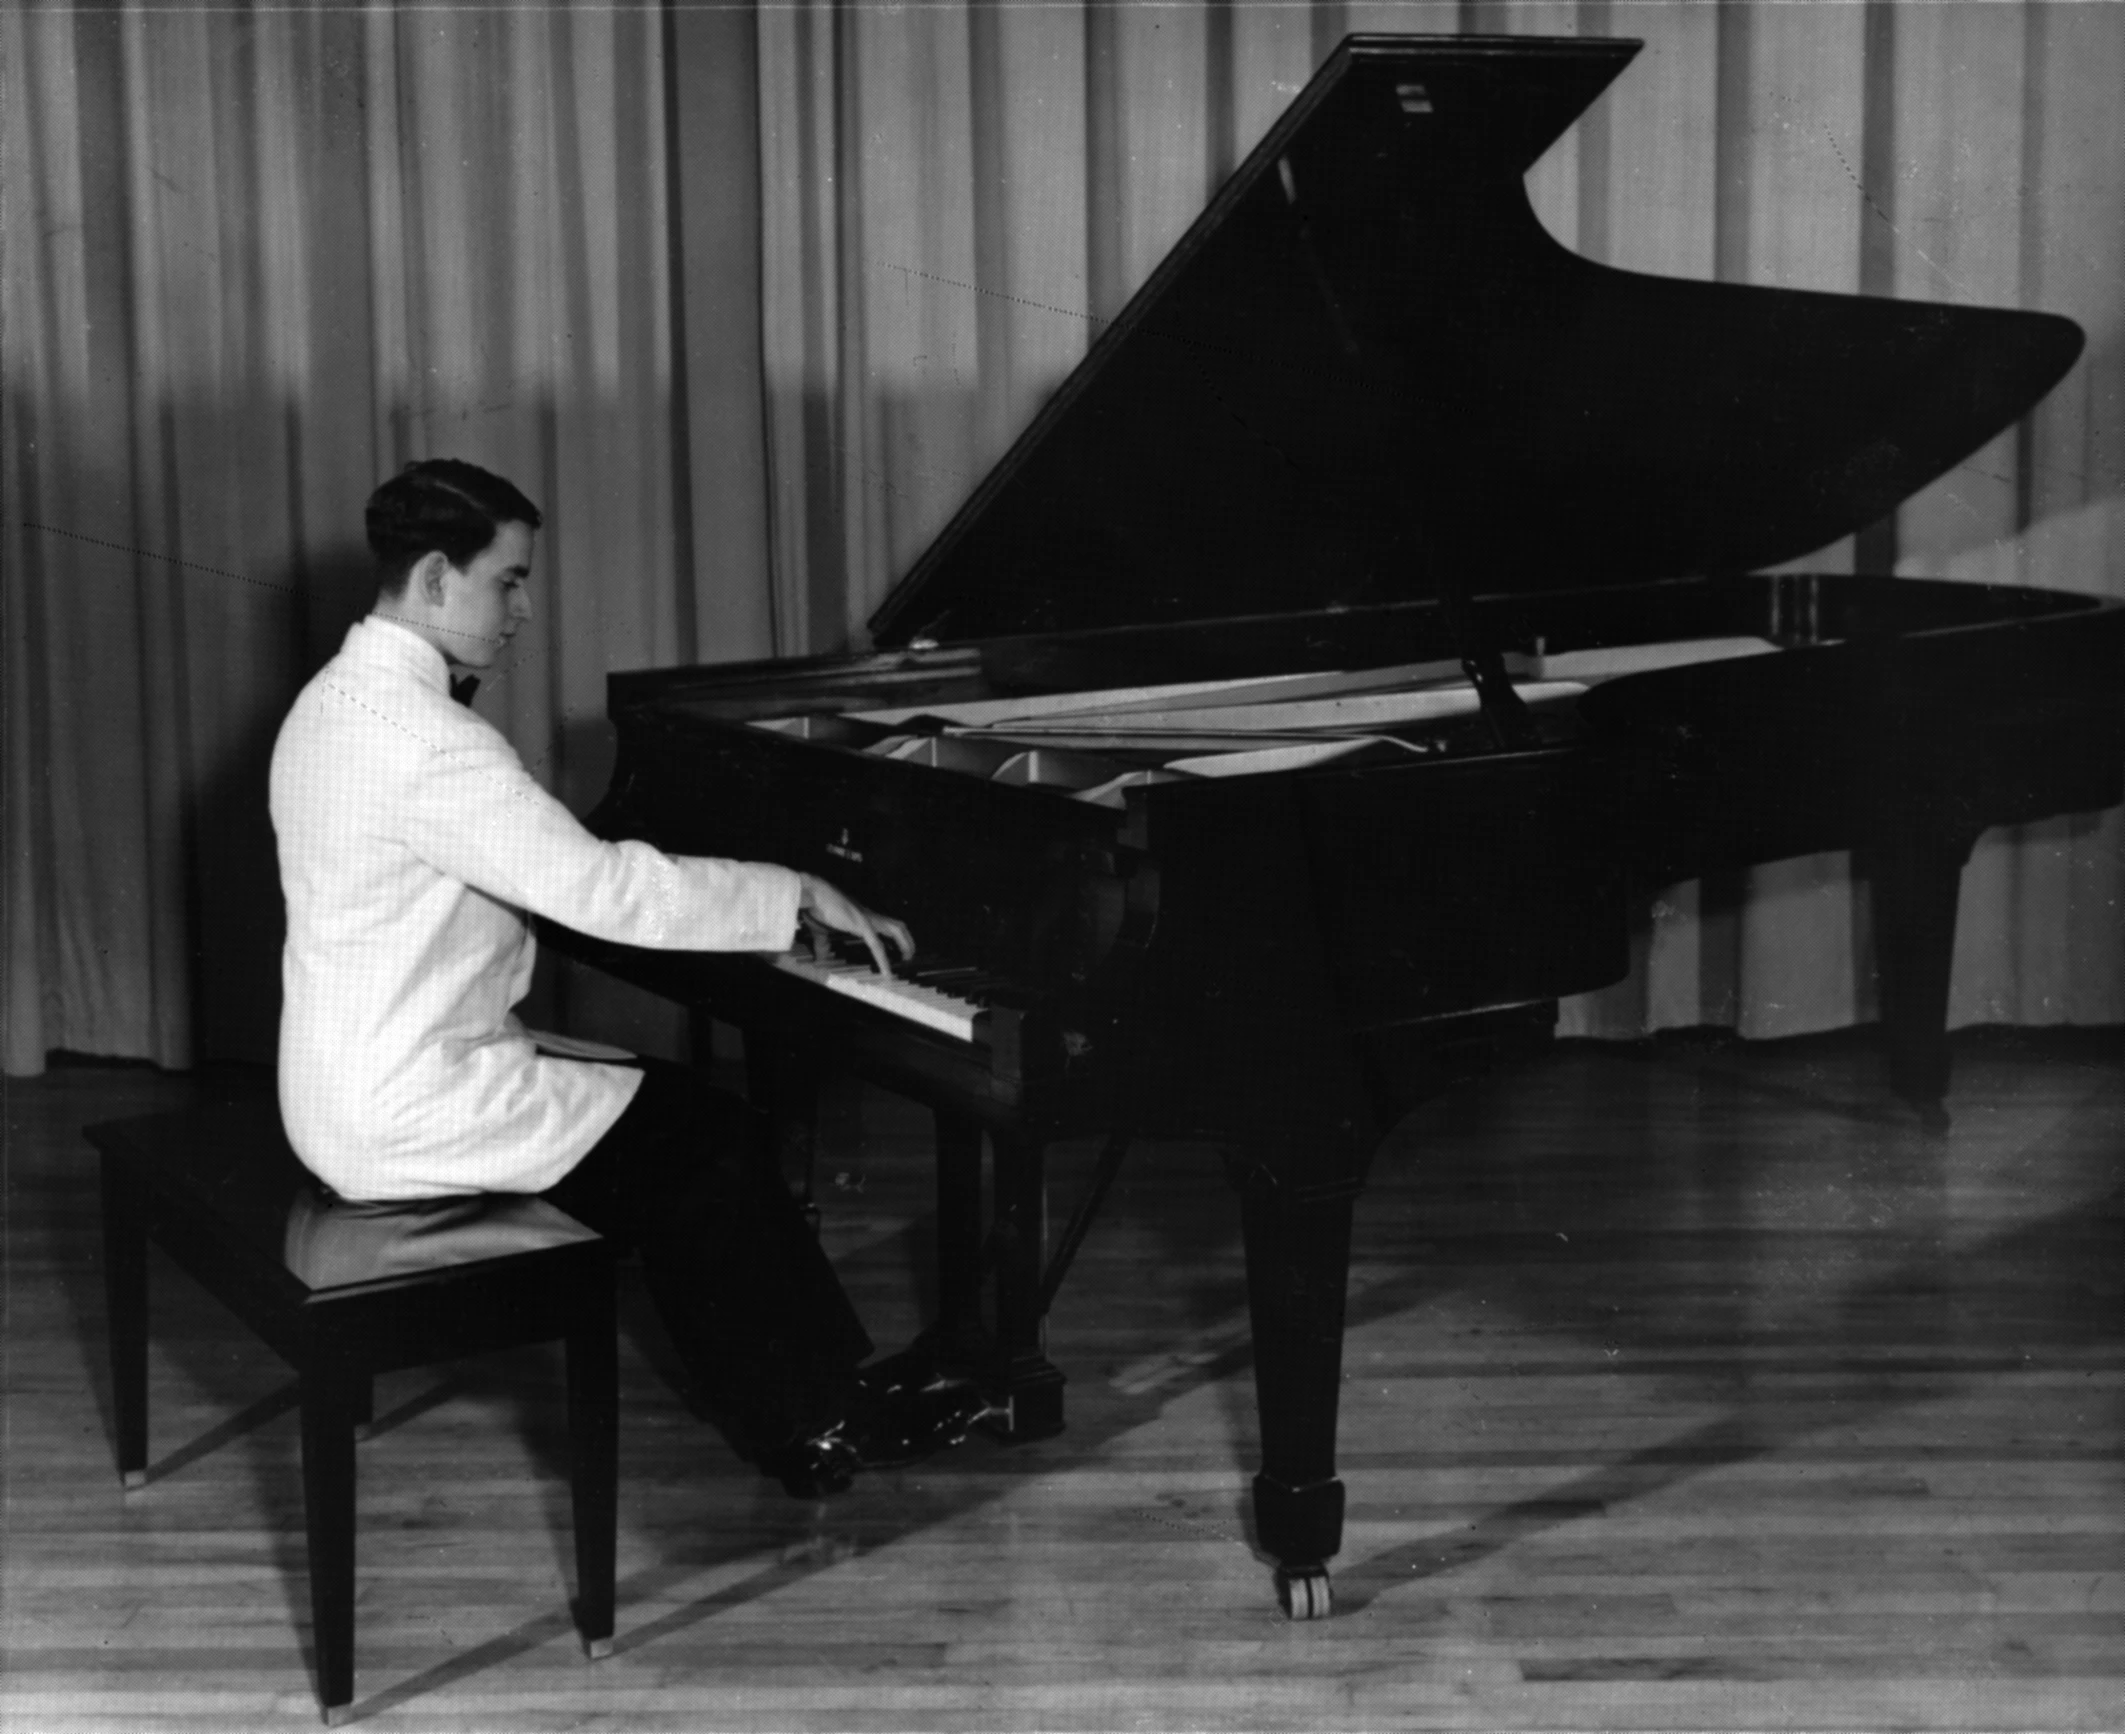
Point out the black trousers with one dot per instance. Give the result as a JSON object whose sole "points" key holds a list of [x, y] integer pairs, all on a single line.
{"points": [[687, 1176]]}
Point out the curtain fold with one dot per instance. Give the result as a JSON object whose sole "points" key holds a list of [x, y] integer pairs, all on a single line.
{"points": [[750, 299], [256, 259], [1953, 152]]}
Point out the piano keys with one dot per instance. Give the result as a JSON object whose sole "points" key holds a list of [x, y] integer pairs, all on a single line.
{"points": [[1288, 720], [924, 1002]]}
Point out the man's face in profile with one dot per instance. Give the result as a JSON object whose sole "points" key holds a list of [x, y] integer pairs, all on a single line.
{"points": [[485, 602]]}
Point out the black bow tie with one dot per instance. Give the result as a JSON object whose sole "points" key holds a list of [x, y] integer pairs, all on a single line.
{"points": [[464, 687]]}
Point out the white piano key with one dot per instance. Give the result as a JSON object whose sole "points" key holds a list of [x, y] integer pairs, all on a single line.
{"points": [[942, 1012]]}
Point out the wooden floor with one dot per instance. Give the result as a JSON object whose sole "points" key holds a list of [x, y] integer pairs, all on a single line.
{"points": [[1687, 1387]]}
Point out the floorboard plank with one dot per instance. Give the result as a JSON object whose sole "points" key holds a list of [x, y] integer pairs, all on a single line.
{"points": [[1688, 1386]]}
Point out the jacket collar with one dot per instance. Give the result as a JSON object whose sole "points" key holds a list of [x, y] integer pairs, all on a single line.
{"points": [[382, 643]]}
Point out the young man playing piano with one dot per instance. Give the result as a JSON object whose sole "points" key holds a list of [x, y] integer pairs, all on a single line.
{"points": [[414, 847]]}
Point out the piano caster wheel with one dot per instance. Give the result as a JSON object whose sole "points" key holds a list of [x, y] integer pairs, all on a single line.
{"points": [[1305, 1595]]}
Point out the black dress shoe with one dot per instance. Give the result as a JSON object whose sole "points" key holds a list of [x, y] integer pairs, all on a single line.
{"points": [[813, 1468], [914, 1368], [887, 1430], [905, 1423]]}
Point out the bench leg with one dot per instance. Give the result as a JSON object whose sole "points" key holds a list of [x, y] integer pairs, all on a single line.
{"points": [[125, 1289], [329, 1404], [594, 1467]]}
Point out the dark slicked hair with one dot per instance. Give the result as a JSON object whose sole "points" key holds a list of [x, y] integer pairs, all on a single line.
{"points": [[439, 505]]}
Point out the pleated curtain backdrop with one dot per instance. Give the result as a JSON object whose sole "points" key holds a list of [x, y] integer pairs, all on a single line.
{"points": [[958, 196], [749, 300], [257, 258]]}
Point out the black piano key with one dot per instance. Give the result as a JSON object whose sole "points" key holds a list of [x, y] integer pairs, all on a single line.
{"points": [[941, 975]]}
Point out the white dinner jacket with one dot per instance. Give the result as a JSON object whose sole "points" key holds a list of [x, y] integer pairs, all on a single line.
{"points": [[412, 843]]}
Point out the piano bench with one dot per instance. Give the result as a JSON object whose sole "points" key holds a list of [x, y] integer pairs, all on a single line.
{"points": [[344, 1292]]}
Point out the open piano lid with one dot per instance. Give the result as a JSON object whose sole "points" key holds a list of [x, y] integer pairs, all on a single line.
{"points": [[1367, 369]]}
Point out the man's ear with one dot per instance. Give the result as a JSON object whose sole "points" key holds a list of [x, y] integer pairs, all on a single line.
{"points": [[425, 580]]}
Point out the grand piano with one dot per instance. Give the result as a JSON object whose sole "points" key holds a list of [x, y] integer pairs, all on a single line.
{"points": [[1291, 716]]}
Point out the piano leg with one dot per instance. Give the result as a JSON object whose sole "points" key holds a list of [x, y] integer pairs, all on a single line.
{"points": [[1917, 876], [962, 1342], [1023, 1385], [1298, 1265], [1032, 1384]]}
